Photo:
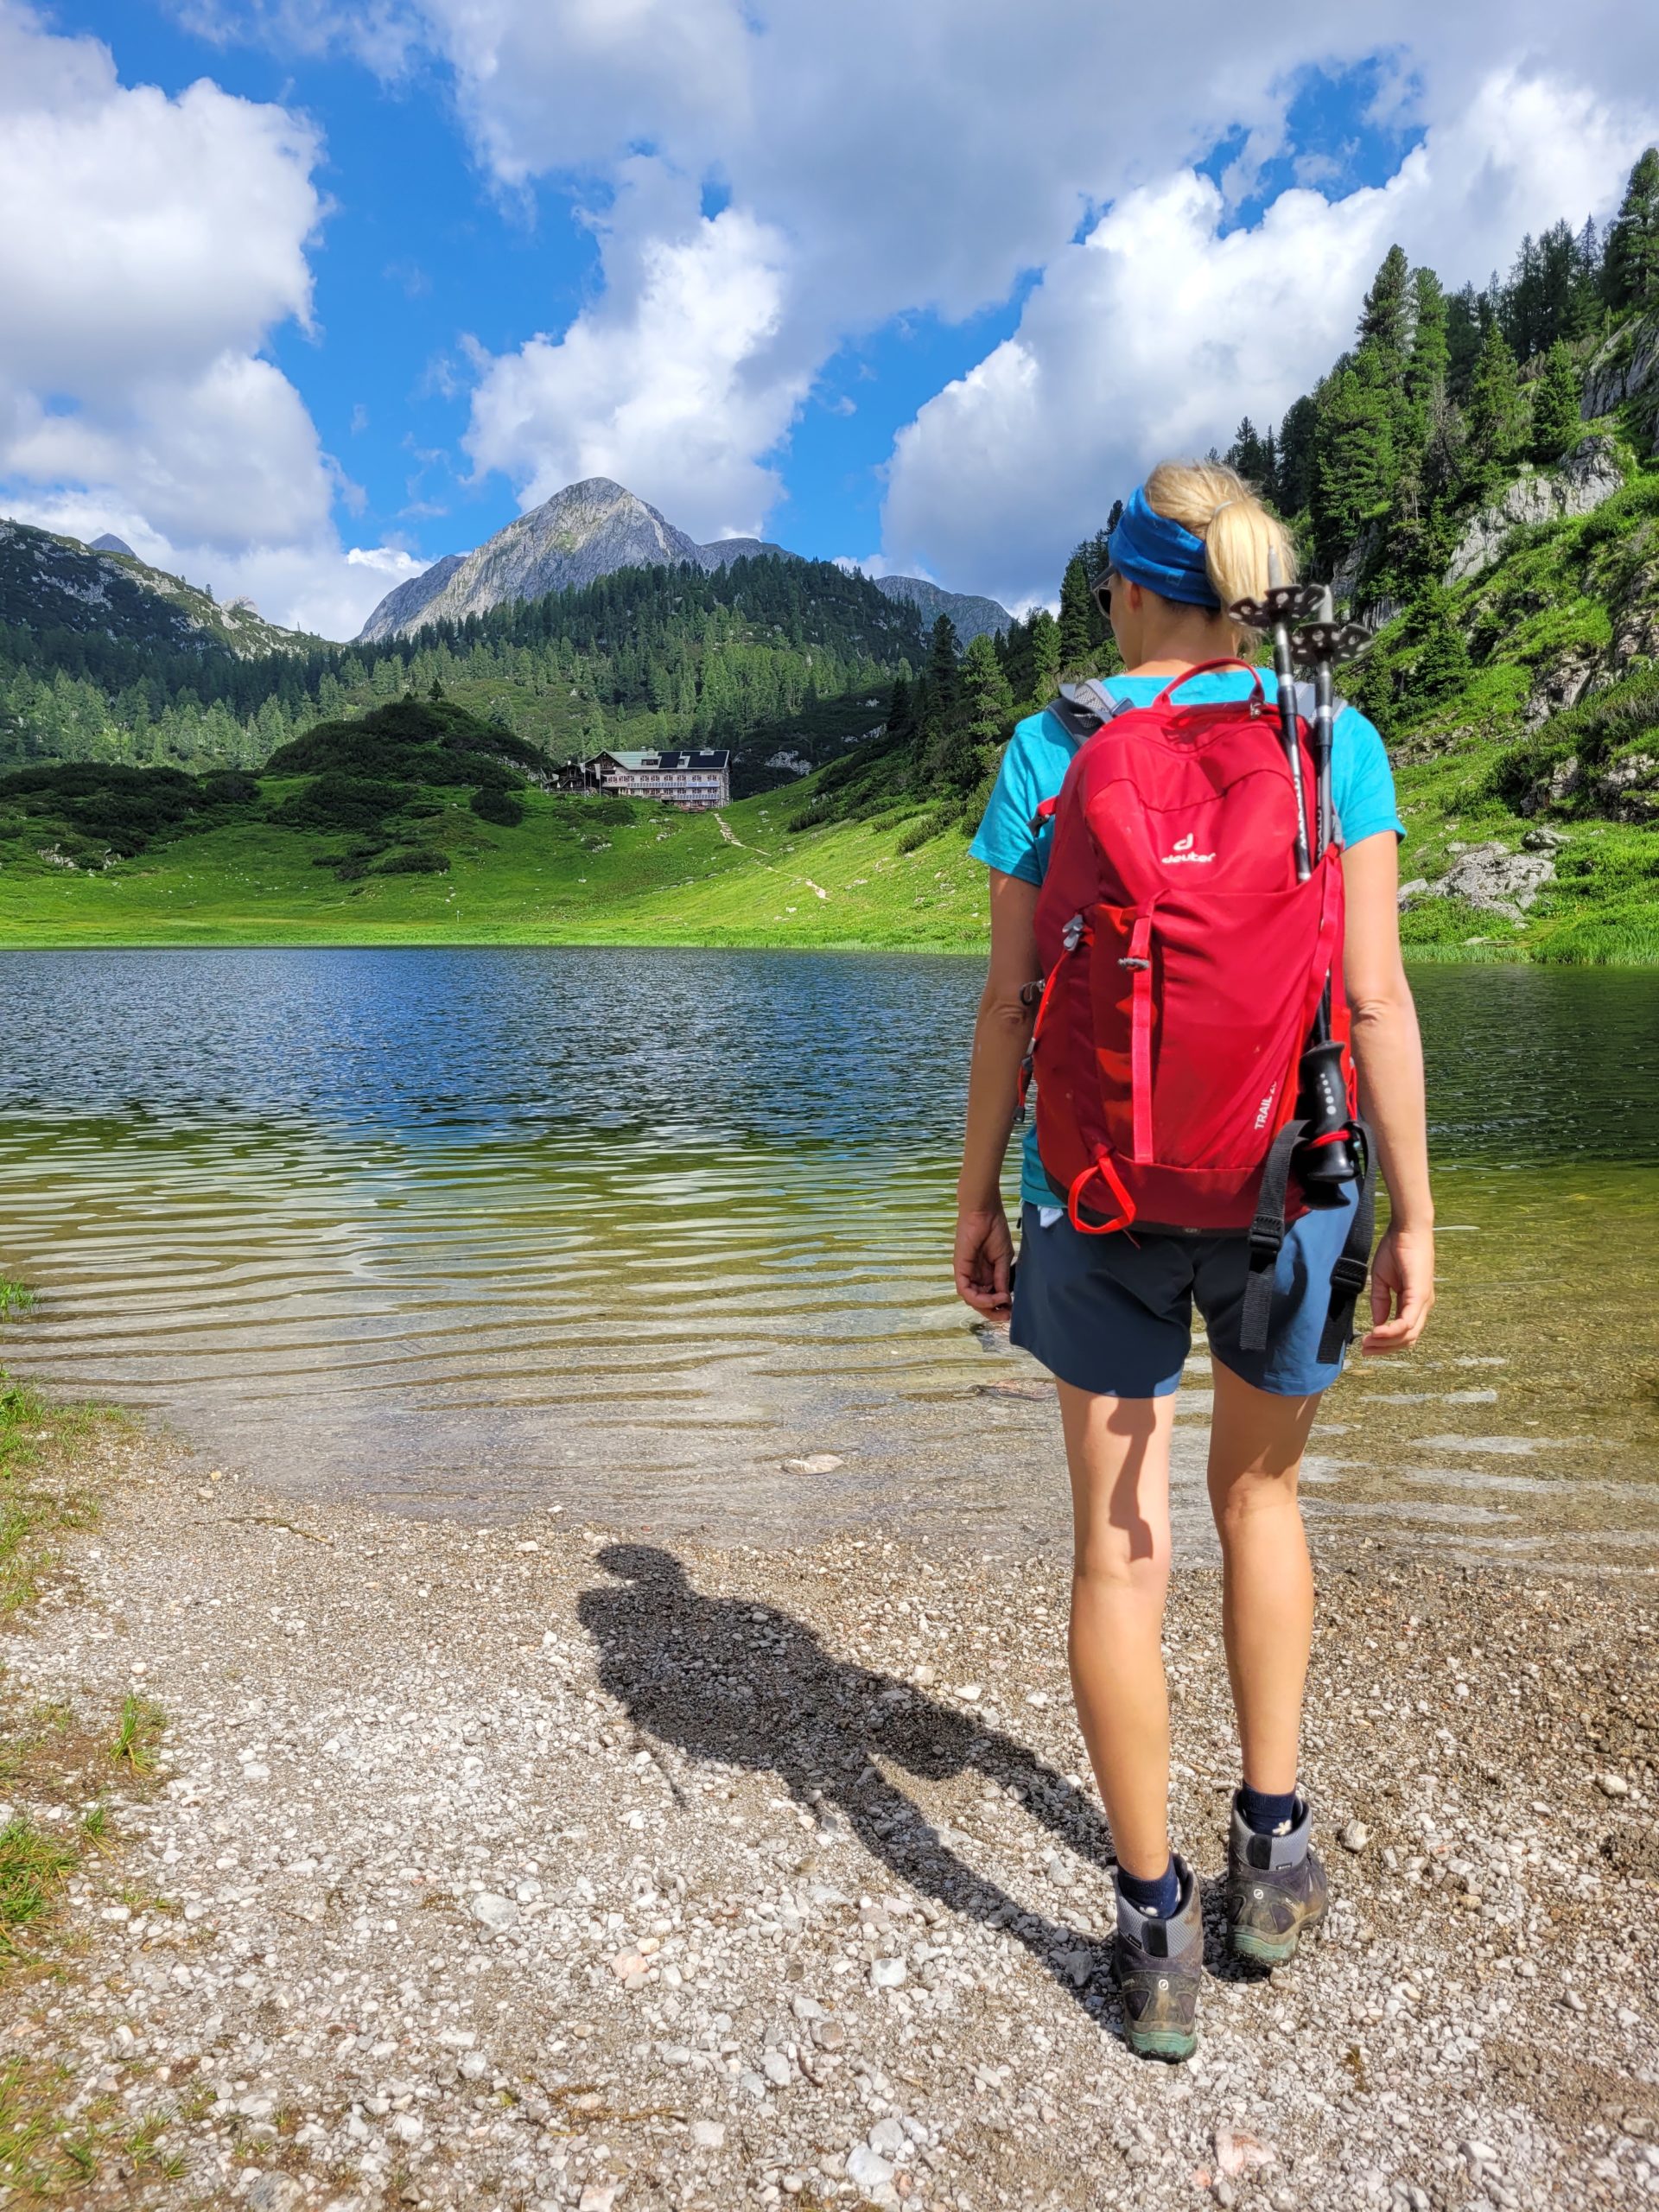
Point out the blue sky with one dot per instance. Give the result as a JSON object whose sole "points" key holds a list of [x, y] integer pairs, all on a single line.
{"points": [[775, 268]]}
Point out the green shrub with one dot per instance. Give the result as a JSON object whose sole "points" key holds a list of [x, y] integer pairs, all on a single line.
{"points": [[334, 801], [95, 806], [229, 787], [498, 807], [933, 823], [451, 743], [413, 860], [1595, 729]]}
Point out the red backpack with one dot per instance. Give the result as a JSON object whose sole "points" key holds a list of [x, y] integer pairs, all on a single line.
{"points": [[1184, 964]]}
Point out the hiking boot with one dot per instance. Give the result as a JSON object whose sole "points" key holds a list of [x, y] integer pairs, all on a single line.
{"points": [[1275, 1888], [1158, 1965]]}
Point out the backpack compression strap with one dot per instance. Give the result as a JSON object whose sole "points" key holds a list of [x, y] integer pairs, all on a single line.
{"points": [[1267, 1239], [1354, 1260]]}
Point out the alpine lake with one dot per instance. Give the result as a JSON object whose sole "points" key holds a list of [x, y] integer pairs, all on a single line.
{"points": [[616, 1234]]}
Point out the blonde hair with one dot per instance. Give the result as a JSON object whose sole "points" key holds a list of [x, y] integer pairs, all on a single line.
{"points": [[1216, 504]]}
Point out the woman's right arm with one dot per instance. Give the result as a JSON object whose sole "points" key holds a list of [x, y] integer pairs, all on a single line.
{"points": [[984, 1247]]}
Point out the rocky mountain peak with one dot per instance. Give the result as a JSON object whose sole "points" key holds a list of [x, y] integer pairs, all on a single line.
{"points": [[587, 530]]}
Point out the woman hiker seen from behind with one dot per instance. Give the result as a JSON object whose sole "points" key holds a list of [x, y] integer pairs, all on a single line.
{"points": [[1183, 960]]}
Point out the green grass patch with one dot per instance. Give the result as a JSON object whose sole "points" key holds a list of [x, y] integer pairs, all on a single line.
{"points": [[34, 1868], [36, 1501], [15, 1298], [138, 1734], [45, 2159]]}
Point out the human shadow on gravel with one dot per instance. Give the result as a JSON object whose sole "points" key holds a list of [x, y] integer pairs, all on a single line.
{"points": [[727, 1680]]}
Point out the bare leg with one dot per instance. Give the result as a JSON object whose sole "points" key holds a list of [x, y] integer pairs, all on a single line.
{"points": [[1256, 1442], [1118, 1450]]}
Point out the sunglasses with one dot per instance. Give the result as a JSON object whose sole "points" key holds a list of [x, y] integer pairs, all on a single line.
{"points": [[1100, 592]]}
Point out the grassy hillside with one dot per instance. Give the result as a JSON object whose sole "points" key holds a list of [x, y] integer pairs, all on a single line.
{"points": [[419, 823], [562, 876], [371, 831], [1544, 740]]}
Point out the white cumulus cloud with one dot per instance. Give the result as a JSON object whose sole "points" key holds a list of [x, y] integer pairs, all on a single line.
{"points": [[151, 246], [672, 383], [884, 160], [1157, 332]]}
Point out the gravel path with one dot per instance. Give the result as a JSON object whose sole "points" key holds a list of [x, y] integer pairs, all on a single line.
{"points": [[542, 1868]]}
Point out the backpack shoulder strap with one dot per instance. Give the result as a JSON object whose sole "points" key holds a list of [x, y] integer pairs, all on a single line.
{"points": [[1305, 704], [1081, 709]]}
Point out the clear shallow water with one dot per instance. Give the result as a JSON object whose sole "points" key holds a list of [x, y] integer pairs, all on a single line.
{"points": [[621, 1230]]}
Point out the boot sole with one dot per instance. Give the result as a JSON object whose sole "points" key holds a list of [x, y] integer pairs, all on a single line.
{"points": [[1172, 2044], [1270, 1950]]}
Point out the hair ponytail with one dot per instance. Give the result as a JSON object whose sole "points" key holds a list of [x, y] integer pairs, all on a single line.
{"points": [[1216, 504]]}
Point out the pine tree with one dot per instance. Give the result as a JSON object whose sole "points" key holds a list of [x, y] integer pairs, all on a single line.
{"points": [[1076, 607], [1632, 267], [1429, 363], [1497, 407], [1385, 320], [1557, 269], [1555, 404], [1441, 667], [1293, 484], [1045, 639], [1585, 310], [1248, 455], [1466, 327], [901, 716], [988, 702], [1016, 660], [944, 667], [1519, 308], [949, 761], [1355, 462]]}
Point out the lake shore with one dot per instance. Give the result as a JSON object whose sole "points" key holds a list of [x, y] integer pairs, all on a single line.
{"points": [[562, 1866]]}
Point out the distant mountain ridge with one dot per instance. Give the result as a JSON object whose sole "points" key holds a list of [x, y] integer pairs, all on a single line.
{"points": [[52, 584], [588, 531], [972, 616]]}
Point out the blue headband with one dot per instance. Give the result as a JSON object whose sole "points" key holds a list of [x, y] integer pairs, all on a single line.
{"points": [[1148, 549]]}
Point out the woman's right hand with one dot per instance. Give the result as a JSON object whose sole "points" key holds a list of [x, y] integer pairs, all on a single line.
{"points": [[1402, 1289], [984, 1259]]}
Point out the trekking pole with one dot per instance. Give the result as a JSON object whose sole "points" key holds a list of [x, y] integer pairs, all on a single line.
{"points": [[1285, 604], [1327, 1152]]}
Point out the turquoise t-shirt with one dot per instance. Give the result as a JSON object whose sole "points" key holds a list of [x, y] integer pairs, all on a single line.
{"points": [[1041, 750]]}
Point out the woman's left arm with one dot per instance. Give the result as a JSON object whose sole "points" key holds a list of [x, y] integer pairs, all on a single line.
{"points": [[1388, 1058]]}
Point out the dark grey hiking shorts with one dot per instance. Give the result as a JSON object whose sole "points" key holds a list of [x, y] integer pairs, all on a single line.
{"points": [[1116, 1317]]}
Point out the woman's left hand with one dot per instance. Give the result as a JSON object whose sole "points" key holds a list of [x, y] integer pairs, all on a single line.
{"points": [[984, 1260]]}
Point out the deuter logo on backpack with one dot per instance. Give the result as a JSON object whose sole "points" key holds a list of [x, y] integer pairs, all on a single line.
{"points": [[1182, 850]]}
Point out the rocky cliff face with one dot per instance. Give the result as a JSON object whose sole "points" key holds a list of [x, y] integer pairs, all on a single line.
{"points": [[1625, 368], [1590, 475], [400, 609]]}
